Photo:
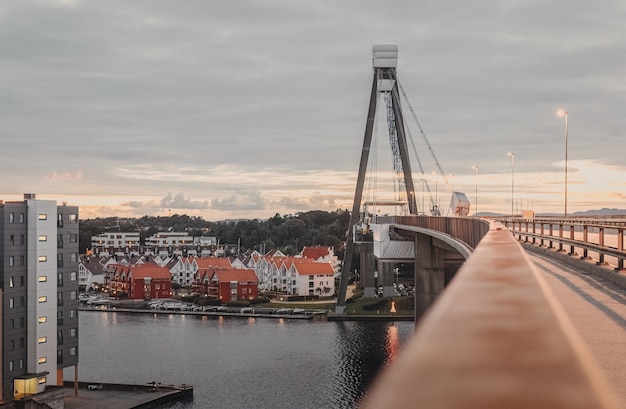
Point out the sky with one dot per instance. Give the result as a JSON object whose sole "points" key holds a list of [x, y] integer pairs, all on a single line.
{"points": [[245, 109]]}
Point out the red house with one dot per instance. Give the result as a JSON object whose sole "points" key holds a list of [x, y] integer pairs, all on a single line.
{"points": [[141, 281], [231, 284]]}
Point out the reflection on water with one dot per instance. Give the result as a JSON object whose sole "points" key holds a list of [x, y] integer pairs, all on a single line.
{"points": [[240, 362], [362, 349]]}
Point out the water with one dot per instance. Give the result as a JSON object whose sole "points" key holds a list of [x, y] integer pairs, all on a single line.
{"points": [[239, 362]]}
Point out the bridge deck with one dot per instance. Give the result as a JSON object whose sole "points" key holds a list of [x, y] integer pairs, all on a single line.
{"points": [[495, 338]]}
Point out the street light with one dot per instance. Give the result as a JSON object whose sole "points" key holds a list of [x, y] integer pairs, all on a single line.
{"points": [[423, 196], [564, 113], [476, 190], [512, 155], [436, 206]]}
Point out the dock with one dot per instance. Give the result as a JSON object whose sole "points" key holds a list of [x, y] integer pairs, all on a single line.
{"points": [[256, 313], [121, 396]]}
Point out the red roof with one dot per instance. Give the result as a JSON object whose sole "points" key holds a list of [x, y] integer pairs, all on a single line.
{"points": [[235, 274], [315, 252], [206, 262], [149, 271], [304, 268]]}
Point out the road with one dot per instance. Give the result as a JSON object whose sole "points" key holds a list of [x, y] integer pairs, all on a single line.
{"points": [[597, 310]]}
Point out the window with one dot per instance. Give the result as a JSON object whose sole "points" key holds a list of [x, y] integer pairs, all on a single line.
{"points": [[72, 313], [43, 216], [42, 259], [10, 365], [310, 284], [59, 299], [11, 261], [11, 302], [42, 298], [11, 345], [73, 351], [60, 260], [42, 380], [60, 279], [21, 363], [73, 257], [12, 239], [11, 218], [73, 218], [11, 282], [22, 239], [59, 220], [43, 237], [42, 360], [42, 320], [21, 218], [72, 332], [73, 276], [59, 318], [43, 279], [42, 340], [22, 260], [73, 238], [73, 295]]}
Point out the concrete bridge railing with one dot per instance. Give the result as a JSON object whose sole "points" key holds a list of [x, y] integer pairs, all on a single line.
{"points": [[495, 338]]}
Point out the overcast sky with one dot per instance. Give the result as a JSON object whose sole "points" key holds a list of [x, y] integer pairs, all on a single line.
{"points": [[237, 109]]}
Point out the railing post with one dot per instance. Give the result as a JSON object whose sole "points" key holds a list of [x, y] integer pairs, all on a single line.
{"points": [[586, 241], [572, 237], [620, 239], [560, 236]]}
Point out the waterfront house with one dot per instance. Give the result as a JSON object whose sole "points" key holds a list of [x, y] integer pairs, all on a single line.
{"points": [[90, 273], [203, 271], [140, 282], [231, 284], [322, 254]]}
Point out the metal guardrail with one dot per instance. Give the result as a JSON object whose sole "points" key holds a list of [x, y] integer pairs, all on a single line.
{"points": [[496, 338], [551, 231]]}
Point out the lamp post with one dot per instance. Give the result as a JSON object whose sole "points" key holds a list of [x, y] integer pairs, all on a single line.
{"points": [[512, 155], [564, 113], [476, 187], [436, 205], [423, 196]]}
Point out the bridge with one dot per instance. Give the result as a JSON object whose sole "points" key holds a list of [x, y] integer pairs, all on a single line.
{"points": [[501, 334], [495, 311]]}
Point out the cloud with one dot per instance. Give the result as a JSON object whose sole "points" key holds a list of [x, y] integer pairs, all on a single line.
{"points": [[240, 201], [178, 201], [67, 176]]}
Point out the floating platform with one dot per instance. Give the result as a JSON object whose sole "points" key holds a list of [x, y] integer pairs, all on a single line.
{"points": [[122, 396], [258, 313]]}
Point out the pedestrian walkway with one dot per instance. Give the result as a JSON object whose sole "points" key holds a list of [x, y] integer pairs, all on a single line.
{"points": [[597, 310]]}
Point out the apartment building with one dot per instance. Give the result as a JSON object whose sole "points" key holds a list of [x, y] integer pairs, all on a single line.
{"points": [[38, 279]]}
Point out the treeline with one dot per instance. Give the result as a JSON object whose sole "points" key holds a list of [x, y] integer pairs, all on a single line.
{"points": [[288, 233]]}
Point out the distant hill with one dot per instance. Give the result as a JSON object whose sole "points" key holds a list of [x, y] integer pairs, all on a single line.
{"points": [[587, 213], [601, 212]]}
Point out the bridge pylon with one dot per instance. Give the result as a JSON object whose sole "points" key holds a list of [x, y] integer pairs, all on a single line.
{"points": [[384, 86]]}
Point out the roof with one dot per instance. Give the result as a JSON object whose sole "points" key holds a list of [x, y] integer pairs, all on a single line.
{"points": [[316, 252], [207, 262], [235, 274], [314, 268], [145, 271]]}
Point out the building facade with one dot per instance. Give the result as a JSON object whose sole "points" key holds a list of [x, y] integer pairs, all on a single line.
{"points": [[39, 280]]}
